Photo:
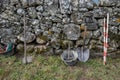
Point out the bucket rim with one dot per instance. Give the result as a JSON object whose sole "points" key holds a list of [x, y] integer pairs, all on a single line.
{"points": [[74, 58]]}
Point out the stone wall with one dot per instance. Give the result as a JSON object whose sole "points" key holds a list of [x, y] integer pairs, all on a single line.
{"points": [[52, 24]]}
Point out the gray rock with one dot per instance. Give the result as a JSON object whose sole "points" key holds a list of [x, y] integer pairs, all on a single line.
{"points": [[89, 20], [90, 4], [8, 39], [51, 6], [7, 31], [88, 34], [50, 51], [114, 29], [5, 15], [55, 19], [32, 12], [48, 2], [41, 39], [91, 26], [110, 9], [46, 14], [7, 36], [74, 4], [65, 6], [96, 34], [119, 28], [4, 23], [39, 16], [38, 31], [72, 31], [58, 51], [93, 42], [20, 47], [81, 42], [100, 22], [17, 29], [21, 11], [40, 49], [59, 25], [88, 14], [35, 22], [30, 37], [101, 38], [13, 2], [83, 9], [5, 3], [55, 29], [66, 20], [55, 44], [100, 12], [113, 22], [87, 41], [59, 15], [108, 3], [113, 44], [82, 4], [48, 34], [77, 17], [30, 48], [40, 8], [35, 2], [118, 4], [46, 24], [119, 33], [55, 36], [116, 12], [27, 3], [91, 23]]}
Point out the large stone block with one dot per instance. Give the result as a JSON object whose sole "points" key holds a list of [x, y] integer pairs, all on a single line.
{"points": [[65, 6], [51, 6], [30, 37], [27, 3], [72, 31]]}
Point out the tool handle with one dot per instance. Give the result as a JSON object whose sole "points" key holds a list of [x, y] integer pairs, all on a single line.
{"points": [[84, 36], [68, 50], [25, 54]]}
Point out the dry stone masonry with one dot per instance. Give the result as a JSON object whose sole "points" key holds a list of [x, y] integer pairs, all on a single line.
{"points": [[52, 24]]}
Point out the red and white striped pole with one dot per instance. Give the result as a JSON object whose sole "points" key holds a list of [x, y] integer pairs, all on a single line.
{"points": [[105, 30], [104, 43]]}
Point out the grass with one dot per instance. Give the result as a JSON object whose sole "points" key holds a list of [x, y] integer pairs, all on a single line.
{"points": [[52, 68]]}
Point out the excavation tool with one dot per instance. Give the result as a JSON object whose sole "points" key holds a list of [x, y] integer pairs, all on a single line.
{"points": [[26, 59], [83, 52]]}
